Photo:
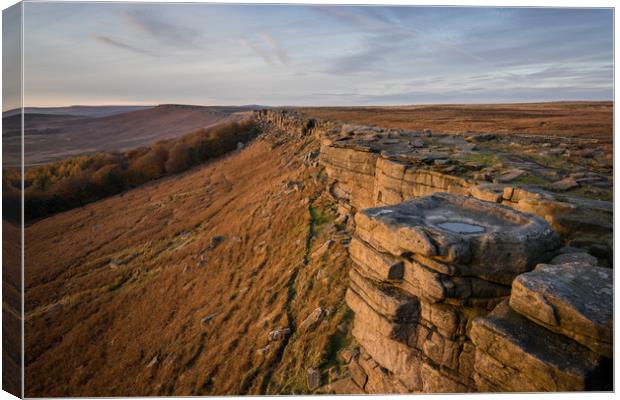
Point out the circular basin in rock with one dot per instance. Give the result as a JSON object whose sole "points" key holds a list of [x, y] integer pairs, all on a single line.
{"points": [[483, 239]]}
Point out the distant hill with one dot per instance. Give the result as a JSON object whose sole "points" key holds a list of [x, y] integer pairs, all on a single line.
{"points": [[82, 111], [51, 136]]}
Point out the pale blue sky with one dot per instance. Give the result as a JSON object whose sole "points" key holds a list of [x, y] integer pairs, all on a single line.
{"points": [[111, 53]]}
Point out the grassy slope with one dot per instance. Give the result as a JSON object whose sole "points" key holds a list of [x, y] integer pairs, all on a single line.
{"points": [[117, 290]]}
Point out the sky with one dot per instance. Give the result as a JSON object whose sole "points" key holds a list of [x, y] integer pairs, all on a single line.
{"points": [[123, 53]]}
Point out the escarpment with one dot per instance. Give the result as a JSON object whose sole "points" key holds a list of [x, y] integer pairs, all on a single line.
{"points": [[469, 275]]}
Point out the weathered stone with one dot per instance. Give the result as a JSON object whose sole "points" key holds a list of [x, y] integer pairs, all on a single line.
{"points": [[443, 317], [396, 181], [341, 386], [488, 192], [313, 319], [357, 374], [506, 244], [208, 318], [572, 299], [579, 257], [436, 381], [313, 378], [434, 287], [441, 350], [528, 357], [216, 241], [380, 380], [348, 354], [367, 315], [466, 360], [511, 175], [565, 184], [485, 386], [417, 143], [321, 251], [400, 359], [376, 265], [351, 173], [493, 376], [279, 334], [386, 300]]}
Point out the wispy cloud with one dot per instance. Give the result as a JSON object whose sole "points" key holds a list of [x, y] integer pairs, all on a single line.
{"points": [[279, 50], [267, 48], [387, 35], [166, 33], [120, 45]]}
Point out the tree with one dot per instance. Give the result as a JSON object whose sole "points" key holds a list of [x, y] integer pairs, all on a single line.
{"points": [[149, 166], [109, 178], [179, 158]]}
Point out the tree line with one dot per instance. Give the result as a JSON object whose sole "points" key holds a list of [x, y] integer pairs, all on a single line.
{"points": [[74, 182]]}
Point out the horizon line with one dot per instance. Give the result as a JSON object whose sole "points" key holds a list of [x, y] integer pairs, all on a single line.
{"points": [[313, 106]]}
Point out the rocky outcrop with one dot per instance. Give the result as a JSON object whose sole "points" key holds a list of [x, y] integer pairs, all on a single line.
{"points": [[449, 286], [369, 167], [424, 270]]}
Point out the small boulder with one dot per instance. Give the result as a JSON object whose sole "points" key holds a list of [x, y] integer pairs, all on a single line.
{"points": [[279, 334], [154, 361], [511, 175], [348, 354], [263, 350], [564, 184], [313, 378], [320, 252], [313, 319], [208, 318], [417, 143], [216, 241]]}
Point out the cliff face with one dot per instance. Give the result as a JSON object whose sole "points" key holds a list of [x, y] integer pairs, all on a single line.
{"points": [[446, 286]]}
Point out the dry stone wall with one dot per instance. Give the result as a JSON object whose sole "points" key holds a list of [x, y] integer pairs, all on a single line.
{"points": [[455, 287]]}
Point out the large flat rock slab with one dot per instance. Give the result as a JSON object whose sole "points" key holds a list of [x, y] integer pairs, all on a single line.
{"points": [[574, 299], [515, 354], [496, 242]]}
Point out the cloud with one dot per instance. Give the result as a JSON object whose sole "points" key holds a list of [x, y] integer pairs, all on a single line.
{"points": [[166, 33], [385, 39], [280, 51], [267, 48], [265, 55], [120, 45], [367, 18]]}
